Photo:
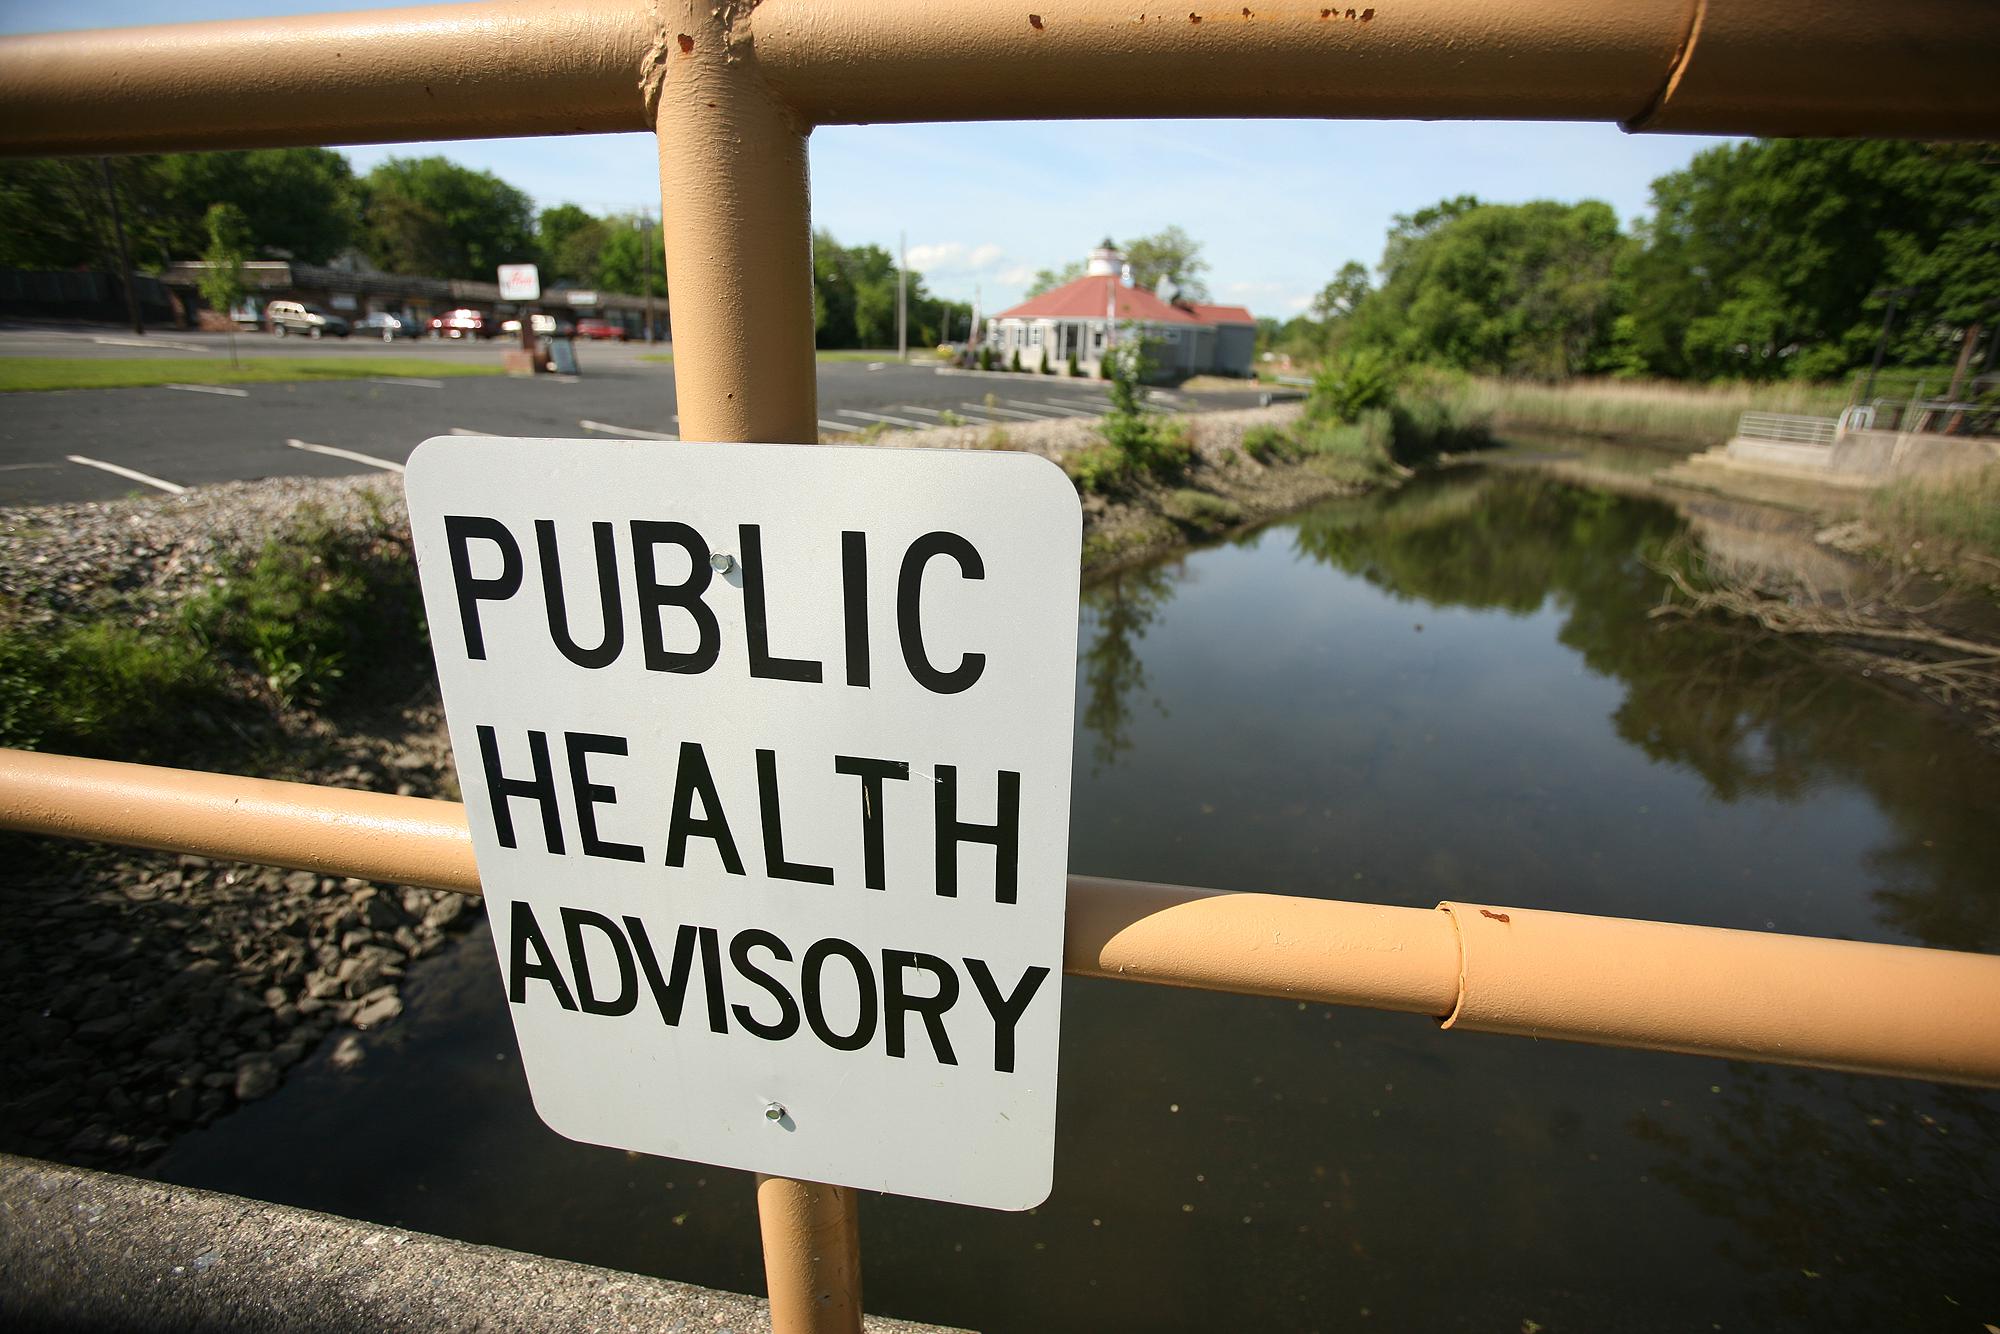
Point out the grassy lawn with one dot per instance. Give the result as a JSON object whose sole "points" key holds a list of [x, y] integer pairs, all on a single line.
{"points": [[30, 373]]}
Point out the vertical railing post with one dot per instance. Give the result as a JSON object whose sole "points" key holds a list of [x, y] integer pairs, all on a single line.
{"points": [[735, 214], [812, 1256]]}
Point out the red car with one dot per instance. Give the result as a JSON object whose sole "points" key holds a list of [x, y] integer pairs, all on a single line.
{"points": [[600, 329], [464, 323]]}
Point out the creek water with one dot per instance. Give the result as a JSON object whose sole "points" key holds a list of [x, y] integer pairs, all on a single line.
{"points": [[1451, 692]]}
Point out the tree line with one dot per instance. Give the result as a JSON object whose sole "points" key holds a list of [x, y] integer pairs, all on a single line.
{"points": [[1762, 260], [425, 216]]}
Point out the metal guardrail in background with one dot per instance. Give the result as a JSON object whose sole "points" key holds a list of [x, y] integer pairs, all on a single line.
{"points": [[732, 90], [1789, 429]]}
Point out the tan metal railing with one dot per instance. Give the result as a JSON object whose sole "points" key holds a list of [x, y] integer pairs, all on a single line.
{"points": [[732, 89]]}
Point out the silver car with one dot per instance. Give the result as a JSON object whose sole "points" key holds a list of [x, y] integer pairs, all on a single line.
{"points": [[387, 327]]}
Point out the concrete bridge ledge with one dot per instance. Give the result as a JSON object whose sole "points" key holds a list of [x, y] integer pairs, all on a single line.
{"points": [[82, 1250]]}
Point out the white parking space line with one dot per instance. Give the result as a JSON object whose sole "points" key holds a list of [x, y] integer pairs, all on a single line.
{"points": [[964, 417], [1099, 406], [209, 389], [151, 342], [409, 381], [1055, 408], [467, 430], [23, 467], [335, 452], [848, 427], [629, 432], [130, 474], [878, 417], [1008, 412]]}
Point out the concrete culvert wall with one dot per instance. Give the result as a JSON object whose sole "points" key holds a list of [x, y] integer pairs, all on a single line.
{"points": [[82, 1250]]}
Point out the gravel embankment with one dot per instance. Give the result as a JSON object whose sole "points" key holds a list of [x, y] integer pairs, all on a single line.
{"points": [[144, 994]]}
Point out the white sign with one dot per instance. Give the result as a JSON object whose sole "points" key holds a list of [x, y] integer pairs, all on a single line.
{"points": [[520, 282], [579, 297], [766, 755]]}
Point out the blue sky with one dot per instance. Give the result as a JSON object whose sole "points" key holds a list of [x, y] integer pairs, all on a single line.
{"points": [[1278, 206]]}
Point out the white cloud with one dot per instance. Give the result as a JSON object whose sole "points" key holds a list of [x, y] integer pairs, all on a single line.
{"points": [[1297, 302], [956, 257]]}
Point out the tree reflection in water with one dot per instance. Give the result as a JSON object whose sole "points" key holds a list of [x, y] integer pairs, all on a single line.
{"points": [[1117, 611], [1751, 713], [1856, 1204]]}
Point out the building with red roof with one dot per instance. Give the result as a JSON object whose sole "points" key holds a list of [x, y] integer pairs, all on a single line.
{"points": [[1081, 319]]}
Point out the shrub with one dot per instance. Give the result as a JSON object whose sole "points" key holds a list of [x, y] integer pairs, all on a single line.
{"points": [[1202, 511], [1268, 443], [995, 438], [1015, 364], [1097, 468], [320, 610], [985, 356], [1344, 389], [1075, 372], [101, 688], [1048, 364]]}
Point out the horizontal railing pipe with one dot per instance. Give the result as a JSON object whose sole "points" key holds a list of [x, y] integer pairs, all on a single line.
{"points": [[506, 67], [1748, 995], [519, 67]]}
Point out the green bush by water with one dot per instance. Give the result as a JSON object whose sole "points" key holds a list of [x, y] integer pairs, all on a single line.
{"points": [[102, 688], [323, 613], [320, 610]]}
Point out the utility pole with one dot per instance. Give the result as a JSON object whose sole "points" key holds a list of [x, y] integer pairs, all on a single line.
{"points": [[652, 243], [1894, 295], [902, 296], [124, 256]]}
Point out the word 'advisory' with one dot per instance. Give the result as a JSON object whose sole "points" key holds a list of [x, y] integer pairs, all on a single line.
{"points": [[766, 755]]}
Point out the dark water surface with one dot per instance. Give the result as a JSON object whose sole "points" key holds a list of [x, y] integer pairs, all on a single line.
{"points": [[1451, 692]]}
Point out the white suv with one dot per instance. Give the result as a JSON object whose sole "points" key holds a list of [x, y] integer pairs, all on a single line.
{"points": [[290, 317]]}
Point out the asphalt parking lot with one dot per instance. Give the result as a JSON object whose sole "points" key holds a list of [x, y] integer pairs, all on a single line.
{"points": [[98, 444]]}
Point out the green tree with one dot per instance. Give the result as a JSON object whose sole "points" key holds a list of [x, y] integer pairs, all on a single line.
{"points": [[222, 281], [431, 216], [52, 214], [1504, 289], [1760, 259], [296, 203], [571, 241], [630, 259], [1170, 255], [1047, 280]]}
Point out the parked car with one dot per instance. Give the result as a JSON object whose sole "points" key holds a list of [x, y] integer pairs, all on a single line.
{"points": [[600, 329], [385, 326], [545, 325], [464, 323], [295, 317]]}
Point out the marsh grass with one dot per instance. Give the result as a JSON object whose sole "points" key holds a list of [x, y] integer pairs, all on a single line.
{"points": [[1941, 521], [1636, 409]]}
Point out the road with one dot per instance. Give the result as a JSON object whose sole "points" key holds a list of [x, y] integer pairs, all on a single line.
{"points": [[159, 439]]}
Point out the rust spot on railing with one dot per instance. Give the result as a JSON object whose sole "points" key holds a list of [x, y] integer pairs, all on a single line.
{"points": [[1035, 22], [687, 44], [1194, 18], [1496, 916]]}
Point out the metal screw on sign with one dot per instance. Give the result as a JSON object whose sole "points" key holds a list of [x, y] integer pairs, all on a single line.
{"points": [[773, 1111], [721, 562]]}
